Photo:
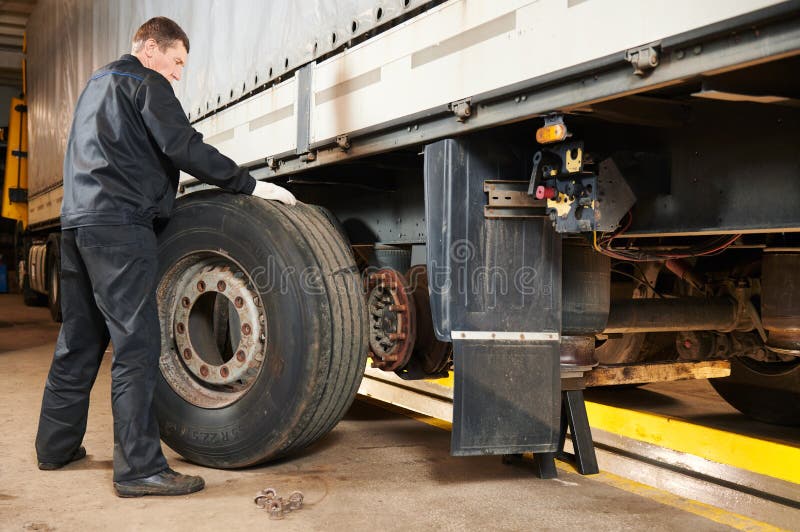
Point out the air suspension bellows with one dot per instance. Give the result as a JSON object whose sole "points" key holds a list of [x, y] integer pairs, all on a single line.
{"points": [[780, 301], [586, 290]]}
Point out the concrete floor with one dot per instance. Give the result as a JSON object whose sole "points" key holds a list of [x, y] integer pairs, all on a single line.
{"points": [[376, 471]]}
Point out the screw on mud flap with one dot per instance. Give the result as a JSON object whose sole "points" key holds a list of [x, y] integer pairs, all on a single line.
{"points": [[221, 286], [246, 329], [187, 353]]}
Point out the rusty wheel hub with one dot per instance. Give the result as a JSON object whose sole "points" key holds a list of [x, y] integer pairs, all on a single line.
{"points": [[218, 331], [392, 320]]}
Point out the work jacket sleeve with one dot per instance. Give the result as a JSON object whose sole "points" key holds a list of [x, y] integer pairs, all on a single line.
{"points": [[181, 143]]}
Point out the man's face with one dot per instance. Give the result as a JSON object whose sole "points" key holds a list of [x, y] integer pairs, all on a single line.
{"points": [[168, 63]]}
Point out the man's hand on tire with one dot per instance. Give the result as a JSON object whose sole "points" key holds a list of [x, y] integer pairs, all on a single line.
{"points": [[268, 191]]}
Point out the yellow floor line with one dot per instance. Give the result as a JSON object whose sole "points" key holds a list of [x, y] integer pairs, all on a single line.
{"points": [[764, 457], [712, 513], [751, 454]]}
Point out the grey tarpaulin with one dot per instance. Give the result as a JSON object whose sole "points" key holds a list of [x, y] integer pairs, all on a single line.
{"points": [[233, 42]]}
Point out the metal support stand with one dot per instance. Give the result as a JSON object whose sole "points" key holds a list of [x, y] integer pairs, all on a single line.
{"points": [[573, 415]]}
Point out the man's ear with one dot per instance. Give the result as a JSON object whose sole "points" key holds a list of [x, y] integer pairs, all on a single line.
{"points": [[150, 46]]}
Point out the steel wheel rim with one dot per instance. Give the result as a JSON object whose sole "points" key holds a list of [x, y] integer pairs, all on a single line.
{"points": [[213, 329]]}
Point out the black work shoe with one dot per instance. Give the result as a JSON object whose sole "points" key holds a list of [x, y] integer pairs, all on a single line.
{"points": [[167, 482], [79, 453]]}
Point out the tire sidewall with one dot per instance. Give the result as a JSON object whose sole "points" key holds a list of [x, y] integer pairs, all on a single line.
{"points": [[261, 422]]}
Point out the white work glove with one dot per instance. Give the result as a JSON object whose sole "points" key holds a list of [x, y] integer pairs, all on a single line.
{"points": [[268, 191]]}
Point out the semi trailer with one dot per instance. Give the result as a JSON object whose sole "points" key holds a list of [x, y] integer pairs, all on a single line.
{"points": [[526, 193]]}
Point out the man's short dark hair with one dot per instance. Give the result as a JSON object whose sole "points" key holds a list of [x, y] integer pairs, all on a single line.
{"points": [[165, 32]]}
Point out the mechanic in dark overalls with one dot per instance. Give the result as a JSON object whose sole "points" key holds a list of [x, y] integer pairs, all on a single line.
{"points": [[129, 139]]}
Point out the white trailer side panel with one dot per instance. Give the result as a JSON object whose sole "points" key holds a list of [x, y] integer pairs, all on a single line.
{"points": [[465, 47]]}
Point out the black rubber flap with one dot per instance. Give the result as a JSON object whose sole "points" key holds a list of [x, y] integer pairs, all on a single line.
{"points": [[506, 398]]}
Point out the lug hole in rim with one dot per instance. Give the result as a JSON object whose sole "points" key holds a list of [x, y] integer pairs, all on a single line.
{"points": [[246, 329], [224, 371], [221, 286], [240, 356], [186, 302], [181, 328], [204, 371], [239, 302], [187, 353], [201, 286]]}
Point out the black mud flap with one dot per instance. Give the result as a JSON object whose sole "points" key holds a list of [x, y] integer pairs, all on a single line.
{"points": [[495, 289], [506, 397]]}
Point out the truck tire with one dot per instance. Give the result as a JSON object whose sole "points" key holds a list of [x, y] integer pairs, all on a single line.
{"points": [[31, 297], [54, 277], [270, 293], [768, 392]]}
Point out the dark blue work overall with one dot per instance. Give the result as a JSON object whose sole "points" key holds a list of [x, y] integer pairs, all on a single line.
{"points": [[129, 140]]}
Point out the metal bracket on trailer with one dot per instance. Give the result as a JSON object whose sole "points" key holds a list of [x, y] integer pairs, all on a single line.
{"points": [[462, 109], [643, 59]]}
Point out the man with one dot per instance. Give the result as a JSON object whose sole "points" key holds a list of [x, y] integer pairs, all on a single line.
{"points": [[129, 140]]}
